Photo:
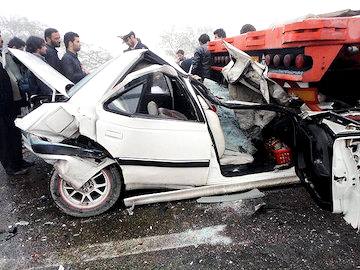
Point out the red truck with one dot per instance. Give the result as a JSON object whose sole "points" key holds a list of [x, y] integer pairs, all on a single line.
{"points": [[307, 57]]}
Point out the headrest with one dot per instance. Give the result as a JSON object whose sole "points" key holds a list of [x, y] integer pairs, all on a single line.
{"points": [[152, 108]]}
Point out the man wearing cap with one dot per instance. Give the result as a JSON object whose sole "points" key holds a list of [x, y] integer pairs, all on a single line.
{"points": [[133, 42]]}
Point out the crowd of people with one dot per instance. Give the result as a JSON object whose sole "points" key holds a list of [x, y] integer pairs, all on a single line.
{"points": [[199, 64], [17, 83]]}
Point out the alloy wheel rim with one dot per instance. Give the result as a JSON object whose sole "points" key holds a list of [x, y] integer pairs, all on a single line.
{"points": [[91, 194]]}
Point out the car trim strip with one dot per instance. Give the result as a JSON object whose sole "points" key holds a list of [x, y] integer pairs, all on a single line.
{"points": [[152, 163]]}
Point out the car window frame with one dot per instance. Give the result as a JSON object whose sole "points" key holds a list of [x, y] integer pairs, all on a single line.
{"points": [[147, 87], [144, 81], [197, 109]]}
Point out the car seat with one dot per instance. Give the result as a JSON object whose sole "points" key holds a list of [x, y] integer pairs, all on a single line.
{"points": [[154, 110], [226, 157]]}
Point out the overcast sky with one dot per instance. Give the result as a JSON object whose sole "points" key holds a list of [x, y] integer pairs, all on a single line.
{"points": [[99, 22]]}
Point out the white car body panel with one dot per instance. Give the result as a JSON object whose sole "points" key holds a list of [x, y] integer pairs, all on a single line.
{"points": [[153, 139], [145, 177], [74, 170], [346, 180], [103, 80], [137, 74], [159, 140], [77, 171], [56, 121]]}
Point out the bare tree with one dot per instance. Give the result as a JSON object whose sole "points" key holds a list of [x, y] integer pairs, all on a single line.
{"points": [[20, 27], [182, 38], [91, 56]]}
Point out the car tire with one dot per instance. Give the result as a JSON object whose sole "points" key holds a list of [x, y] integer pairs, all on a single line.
{"points": [[95, 197]]}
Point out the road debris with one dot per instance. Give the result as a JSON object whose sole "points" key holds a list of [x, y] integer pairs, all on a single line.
{"points": [[252, 194], [7, 234], [259, 207], [49, 223], [130, 210], [22, 223]]}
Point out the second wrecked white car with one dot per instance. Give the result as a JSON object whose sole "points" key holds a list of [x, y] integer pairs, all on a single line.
{"points": [[138, 122]]}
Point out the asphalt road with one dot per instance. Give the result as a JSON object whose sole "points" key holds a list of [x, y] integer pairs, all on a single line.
{"points": [[288, 232]]}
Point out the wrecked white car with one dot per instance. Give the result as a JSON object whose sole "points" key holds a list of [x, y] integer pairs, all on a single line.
{"points": [[138, 122]]}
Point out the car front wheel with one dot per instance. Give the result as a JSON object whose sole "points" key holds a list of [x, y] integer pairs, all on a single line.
{"points": [[96, 196]]}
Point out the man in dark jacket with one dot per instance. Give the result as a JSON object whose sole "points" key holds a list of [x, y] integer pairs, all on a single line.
{"points": [[52, 39], [246, 28], [182, 61], [37, 47], [219, 33], [201, 59], [133, 42], [19, 71], [10, 136], [71, 66], [16, 43]]}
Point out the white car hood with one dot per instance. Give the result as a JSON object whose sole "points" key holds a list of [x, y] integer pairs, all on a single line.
{"points": [[42, 70]]}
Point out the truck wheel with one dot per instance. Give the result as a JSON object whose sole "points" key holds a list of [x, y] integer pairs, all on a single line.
{"points": [[96, 196]]}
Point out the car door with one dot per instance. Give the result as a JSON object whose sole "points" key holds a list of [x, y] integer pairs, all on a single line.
{"points": [[155, 149]]}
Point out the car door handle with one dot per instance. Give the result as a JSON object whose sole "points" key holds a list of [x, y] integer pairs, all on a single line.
{"points": [[114, 134]]}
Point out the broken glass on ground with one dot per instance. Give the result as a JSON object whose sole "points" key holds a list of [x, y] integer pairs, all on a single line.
{"points": [[252, 194], [242, 204]]}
